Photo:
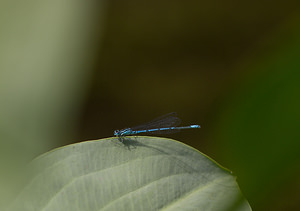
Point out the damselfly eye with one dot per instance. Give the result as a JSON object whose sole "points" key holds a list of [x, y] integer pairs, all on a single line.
{"points": [[116, 132]]}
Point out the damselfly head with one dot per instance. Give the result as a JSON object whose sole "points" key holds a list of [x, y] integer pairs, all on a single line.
{"points": [[116, 132]]}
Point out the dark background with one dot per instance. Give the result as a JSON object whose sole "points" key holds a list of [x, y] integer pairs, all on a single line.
{"points": [[230, 66]]}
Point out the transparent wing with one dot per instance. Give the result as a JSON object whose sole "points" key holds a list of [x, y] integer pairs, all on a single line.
{"points": [[168, 120]]}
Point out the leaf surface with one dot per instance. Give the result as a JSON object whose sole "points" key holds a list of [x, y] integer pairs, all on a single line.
{"points": [[142, 173]]}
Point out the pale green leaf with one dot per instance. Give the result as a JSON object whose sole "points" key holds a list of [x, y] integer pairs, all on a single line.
{"points": [[143, 173]]}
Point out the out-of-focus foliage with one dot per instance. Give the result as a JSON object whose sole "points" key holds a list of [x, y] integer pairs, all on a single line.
{"points": [[259, 129], [44, 56]]}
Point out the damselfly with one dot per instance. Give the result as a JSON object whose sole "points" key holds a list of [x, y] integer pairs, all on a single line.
{"points": [[161, 125]]}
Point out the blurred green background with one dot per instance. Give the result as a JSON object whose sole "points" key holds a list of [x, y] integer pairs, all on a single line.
{"points": [[77, 70]]}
